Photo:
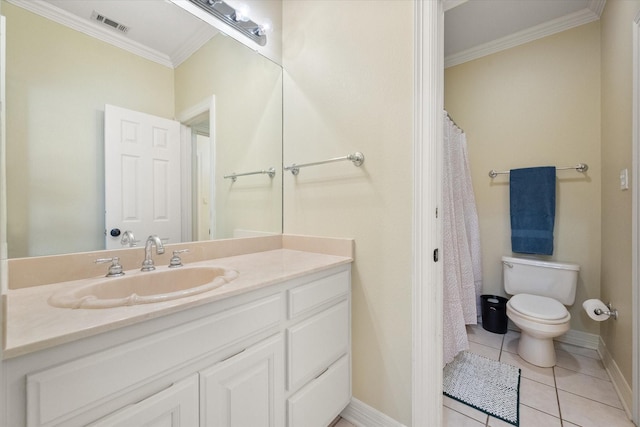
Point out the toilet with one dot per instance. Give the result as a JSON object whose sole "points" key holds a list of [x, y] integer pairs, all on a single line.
{"points": [[541, 290]]}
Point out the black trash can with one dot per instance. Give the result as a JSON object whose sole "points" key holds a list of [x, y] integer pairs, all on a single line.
{"points": [[494, 313]]}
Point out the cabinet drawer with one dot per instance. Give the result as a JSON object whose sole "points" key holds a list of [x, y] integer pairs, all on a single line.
{"points": [[57, 394], [317, 342], [320, 401], [314, 294]]}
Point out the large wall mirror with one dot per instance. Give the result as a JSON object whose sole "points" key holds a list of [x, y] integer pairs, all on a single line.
{"points": [[227, 98]]}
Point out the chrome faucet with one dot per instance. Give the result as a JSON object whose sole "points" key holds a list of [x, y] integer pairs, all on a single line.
{"points": [[147, 264], [128, 239]]}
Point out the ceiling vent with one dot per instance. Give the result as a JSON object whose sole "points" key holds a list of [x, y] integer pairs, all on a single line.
{"points": [[95, 16]]}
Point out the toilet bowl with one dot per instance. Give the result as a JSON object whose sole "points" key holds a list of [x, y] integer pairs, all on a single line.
{"points": [[541, 290], [540, 319]]}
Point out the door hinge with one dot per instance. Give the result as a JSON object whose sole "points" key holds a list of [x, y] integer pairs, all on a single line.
{"points": [[435, 255]]}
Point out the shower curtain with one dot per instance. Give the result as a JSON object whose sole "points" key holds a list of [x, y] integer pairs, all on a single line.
{"points": [[461, 235]]}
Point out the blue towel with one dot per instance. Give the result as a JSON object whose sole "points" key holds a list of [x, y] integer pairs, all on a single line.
{"points": [[532, 193]]}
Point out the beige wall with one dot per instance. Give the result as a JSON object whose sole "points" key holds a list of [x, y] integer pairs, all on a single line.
{"points": [[248, 130], [348, 87], [533, 105], [58, 81], [616, 150]]}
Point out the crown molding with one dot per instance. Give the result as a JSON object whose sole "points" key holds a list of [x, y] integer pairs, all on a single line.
{"points": [[450, 4], [106, 35], [192, 45], [597, 6], [581, 17]]}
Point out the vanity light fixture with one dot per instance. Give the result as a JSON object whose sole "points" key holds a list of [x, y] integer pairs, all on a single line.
{"points": [[236, 18]]}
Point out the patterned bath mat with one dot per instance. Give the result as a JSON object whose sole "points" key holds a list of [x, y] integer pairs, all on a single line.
{"points": [[488, 385]]}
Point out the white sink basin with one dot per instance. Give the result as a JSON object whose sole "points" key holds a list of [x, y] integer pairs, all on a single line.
{"points": [[144, 287]]}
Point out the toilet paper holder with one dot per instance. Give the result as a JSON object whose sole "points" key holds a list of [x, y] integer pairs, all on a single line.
{"points": [[612, 312]]}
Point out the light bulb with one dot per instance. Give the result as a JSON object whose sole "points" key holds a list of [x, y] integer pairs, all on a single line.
{"points": [[263, 29], [241, 13]]}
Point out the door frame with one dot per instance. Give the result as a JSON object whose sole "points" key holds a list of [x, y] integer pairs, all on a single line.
{"points": [[206, 105], [427, 308], [635, 222]]}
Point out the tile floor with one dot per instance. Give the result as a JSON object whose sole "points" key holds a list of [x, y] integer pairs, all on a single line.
{"points": [[576, 392]]}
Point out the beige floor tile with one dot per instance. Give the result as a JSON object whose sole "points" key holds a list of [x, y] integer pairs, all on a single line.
{"points": [[536, 373], [587, 386], [465, 409], [582, 364], [456, 419], [477, 334], [589, 413], [539, 396], [511, 340], [483, 350], [529, 417]]}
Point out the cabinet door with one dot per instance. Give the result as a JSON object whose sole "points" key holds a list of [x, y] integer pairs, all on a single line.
{"points": [[176, 406], [245, 390]]}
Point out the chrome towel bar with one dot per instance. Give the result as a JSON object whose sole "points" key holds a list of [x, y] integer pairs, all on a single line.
{"points": [[357, 158], [580, 167], [234, 176]]}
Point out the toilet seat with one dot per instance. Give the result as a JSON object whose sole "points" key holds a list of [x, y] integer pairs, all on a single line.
{"points": [[547, 310]]}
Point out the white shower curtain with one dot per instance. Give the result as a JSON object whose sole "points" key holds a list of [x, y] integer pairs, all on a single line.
{"points": [[461, 251]]}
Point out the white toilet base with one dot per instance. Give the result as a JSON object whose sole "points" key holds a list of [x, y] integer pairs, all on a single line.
{"points": [[536, 337], [537, 351]]}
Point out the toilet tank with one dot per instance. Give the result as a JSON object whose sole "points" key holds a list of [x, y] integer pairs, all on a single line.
{"points": [[548, 279]]}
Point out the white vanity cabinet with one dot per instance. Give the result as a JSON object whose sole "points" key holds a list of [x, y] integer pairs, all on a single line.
{"points": [[276, 356], [177, 406]]}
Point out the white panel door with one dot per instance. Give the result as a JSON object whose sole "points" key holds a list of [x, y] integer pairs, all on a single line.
{"points": [[142, 176], [245, 390], [176, 406]]}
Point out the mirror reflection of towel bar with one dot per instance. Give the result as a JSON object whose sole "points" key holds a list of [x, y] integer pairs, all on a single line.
{"points": [[234, 176], [580, 167], [357, 158]]}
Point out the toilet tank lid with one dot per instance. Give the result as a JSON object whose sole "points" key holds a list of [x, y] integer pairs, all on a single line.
{"points": [[540, 263]]}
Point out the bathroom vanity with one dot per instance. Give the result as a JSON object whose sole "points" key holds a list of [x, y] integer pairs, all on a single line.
{"points": [[269, 348]]}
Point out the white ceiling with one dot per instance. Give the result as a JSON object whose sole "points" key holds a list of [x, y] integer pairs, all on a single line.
{"points": [[475, 28]]}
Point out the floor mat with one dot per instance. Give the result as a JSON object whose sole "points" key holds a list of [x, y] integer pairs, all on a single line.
{"points": [[487, 385]]}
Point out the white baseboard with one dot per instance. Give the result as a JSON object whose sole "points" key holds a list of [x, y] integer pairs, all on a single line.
{"points": [[362, 415], [580, 339], [619, 383]]}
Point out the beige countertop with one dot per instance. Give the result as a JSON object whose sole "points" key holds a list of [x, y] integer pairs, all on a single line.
{"points": [[32, 324]]}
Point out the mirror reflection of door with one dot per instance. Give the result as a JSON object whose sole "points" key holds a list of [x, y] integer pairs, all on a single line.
{"points": [[199, 166], [202, 189], [142, 176]]}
